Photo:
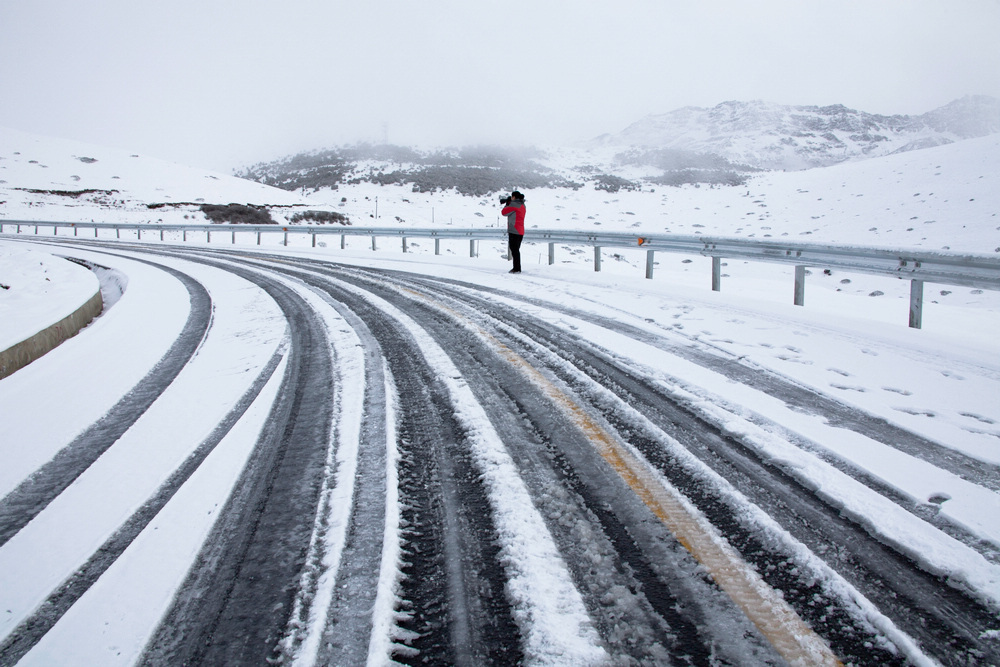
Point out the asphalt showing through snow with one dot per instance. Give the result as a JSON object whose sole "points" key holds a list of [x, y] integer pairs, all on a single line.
{"points": [[681, 544]]}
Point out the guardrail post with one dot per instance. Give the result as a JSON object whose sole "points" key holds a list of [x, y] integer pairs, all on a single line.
{"points": [[716, 274], [184, 236], [161, 234], [343, 241], [138, 233], [285, 242], [472, 247], [313, 234], [95, 231], [552, 253], [36, 230], [374, 247], [597, 258], [208, 236], [258, 237], [118, 232], [799, 297], [234, 237], [404, 245], [649, 264], [916, 303], [437, 246]]}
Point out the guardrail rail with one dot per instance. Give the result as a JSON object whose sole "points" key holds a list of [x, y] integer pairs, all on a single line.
{"points": [[944, 267]]}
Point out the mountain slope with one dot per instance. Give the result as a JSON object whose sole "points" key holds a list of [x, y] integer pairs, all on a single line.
{"points": [[43, 178], [775, 137]]}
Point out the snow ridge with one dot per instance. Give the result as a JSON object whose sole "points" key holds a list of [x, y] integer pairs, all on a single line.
{"points": [[782, 137]]}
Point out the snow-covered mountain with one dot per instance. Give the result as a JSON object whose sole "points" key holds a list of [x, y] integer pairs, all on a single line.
{"points": [[774, 136]]}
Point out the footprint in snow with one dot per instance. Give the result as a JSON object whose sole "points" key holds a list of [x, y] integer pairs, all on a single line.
{"points": [[979, 418], [839, 372], [903, 392], [954, 376], [916, 413], [844, 387]]}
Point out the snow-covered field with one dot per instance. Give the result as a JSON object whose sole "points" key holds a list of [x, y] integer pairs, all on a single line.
{"points": [[850, 342]]}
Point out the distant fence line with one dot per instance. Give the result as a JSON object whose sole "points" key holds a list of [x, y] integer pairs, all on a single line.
{"points": [[948, 268]]}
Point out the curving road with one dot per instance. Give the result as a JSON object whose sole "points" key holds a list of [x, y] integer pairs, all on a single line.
{"points": [[411, 469]]}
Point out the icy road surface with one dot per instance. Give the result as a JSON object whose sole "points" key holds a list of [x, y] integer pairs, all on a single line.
{"points": [[257, 457]]}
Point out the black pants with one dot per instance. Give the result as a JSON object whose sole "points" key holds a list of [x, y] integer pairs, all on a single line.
{"points": [[514, 243]]}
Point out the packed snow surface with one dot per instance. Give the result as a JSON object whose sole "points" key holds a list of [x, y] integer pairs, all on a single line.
{"points": [[850, 342]]}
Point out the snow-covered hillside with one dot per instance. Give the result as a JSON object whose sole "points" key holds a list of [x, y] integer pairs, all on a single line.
{"points": [[775, 136], [43, 178], [931, 199]]}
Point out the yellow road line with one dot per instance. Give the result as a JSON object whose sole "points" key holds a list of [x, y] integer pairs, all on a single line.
{"points": [[790, 636]]}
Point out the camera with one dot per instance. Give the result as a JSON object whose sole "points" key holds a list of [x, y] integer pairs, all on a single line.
{"points": [[505, 200]]}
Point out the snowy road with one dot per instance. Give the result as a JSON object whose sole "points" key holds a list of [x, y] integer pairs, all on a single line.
{"points": [[323, 463]]}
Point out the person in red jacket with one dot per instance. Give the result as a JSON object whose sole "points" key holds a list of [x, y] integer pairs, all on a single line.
{"points": [[514, 210]]}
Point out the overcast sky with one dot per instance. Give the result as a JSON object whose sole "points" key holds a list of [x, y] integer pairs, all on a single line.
{"points": [[221, 84]]}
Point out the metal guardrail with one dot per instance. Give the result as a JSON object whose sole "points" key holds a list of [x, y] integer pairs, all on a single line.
{"points": [[949, 268]]}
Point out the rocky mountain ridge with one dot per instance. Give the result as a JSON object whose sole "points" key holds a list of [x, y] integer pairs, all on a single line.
{"points": [[781, 137], [723, 145]]}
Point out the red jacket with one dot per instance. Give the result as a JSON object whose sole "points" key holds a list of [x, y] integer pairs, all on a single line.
{"points": [[515, 217]]}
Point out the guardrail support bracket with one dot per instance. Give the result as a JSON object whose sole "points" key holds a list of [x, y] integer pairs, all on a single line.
{"points": [[799, 298], [916, 304]]}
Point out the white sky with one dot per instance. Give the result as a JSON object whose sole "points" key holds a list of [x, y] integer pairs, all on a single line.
{"points": [[218, 84]]}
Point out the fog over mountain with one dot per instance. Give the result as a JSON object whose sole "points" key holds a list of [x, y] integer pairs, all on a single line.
{"points": [[774, 136], [723, 145]]}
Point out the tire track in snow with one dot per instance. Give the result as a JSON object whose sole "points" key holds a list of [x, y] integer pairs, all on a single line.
{"points": [[238, 598], [554, 626], [30, 497], [339, 601], [625, 568], [30, 631], [794, 640], [795, 395], [449, 420], [948, 622]]}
